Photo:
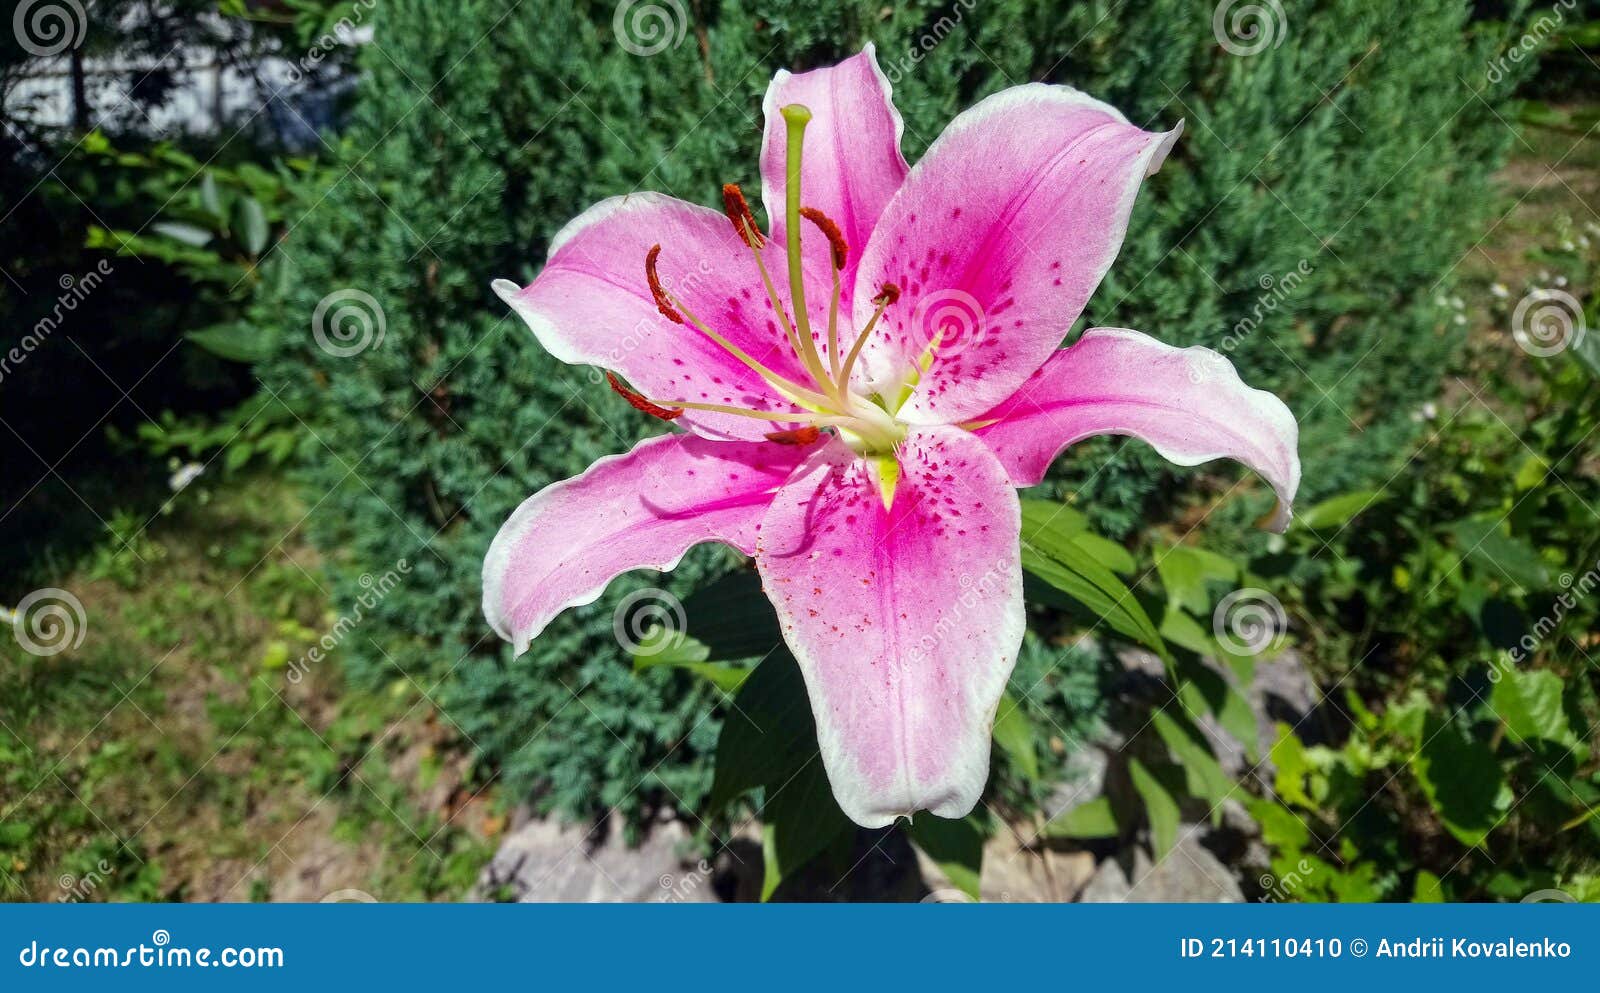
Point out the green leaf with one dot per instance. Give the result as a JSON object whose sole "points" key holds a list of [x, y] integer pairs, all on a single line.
{"points": [[1184, 572], [235, 341], [956, 846], [252, 226], [662, 646], [1426, 888], [1159, 807], [188, 234], [733, 618], [1013, 732], [800, 819], [1050, 556], [1500, 556], [769, 734], [1095, 819], [1337, 511], [1461, 779], [211, 199], [1529, 702], [1288, 757], [1202, 773]]}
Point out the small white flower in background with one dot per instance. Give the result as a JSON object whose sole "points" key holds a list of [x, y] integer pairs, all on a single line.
{"points": [[1561, 280], [1500, 291], [1458, 303], [1568, 246], [1441, 300], [1426, 412], [1583, 240], [1460, 319], [184, 475], [1544, 275]]}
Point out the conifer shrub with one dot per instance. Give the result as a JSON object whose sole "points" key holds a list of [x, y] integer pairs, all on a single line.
{"points": [[1326, 186]]}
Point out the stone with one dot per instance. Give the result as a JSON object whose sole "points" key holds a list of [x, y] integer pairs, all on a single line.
{"points": [[1188, 874], [547, 861]]}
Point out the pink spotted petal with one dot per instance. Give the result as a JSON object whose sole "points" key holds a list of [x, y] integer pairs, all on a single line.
{"points": [[641, 510], [997, 240], [851, 165], [906, 621], [592, 305], [1188, 403]]}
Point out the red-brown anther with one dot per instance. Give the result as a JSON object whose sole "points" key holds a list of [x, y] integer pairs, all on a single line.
{"points": [[638, 402], [738, 211], [662, 304], [797, 436], [829, 231], [888, 293]]}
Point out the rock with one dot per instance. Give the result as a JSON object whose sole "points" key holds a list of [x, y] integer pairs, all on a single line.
{"points": [[1014, 873], [1188, 874], [547, 861], [1085, 779], [1109, 884]]}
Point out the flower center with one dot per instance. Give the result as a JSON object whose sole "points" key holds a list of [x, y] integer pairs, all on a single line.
{"points": [[865, 423]]}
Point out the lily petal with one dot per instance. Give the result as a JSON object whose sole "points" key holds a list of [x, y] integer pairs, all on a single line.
{"points": [[641, 510], [997, 240], [905, 620], [1188, 403], [852, 164], [592, 305]]}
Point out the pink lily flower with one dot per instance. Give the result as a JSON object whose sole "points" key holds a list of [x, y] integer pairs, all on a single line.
{"points": [[861, 408]]}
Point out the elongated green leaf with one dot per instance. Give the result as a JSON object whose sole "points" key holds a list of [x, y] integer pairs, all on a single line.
{"points": [[1051, 557], [800, 819], [1095, 819], [662, 646], [236, 341], [1013, 732], [1202, 773], [768, 735], [188, 234], [733, 618], [1337, 511], [1500, 556], [956, 846], [1159, 807], [252, 226]]}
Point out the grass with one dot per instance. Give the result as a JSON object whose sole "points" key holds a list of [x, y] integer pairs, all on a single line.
{"points": [[179, 752]]}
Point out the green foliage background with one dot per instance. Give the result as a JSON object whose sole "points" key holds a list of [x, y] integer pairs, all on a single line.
{"points": [[1354, 149]]}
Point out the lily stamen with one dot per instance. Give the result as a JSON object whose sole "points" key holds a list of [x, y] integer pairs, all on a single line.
{"points": [[887, 294]]}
